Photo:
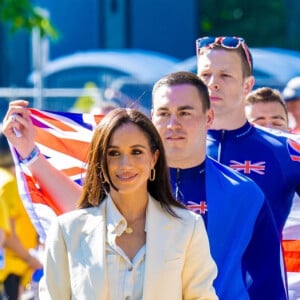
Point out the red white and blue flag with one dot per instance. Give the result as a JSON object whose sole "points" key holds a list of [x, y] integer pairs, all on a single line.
{"points": [[248, 166], [63, 138]]}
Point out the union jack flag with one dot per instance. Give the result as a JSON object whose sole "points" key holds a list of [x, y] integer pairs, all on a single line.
{"points": [[63, 138], [198, 208], [247, 166]]}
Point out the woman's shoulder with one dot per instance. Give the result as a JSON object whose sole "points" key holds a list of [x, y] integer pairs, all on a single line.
{"points": [[83, 217], [182, 213], [187, 215]]}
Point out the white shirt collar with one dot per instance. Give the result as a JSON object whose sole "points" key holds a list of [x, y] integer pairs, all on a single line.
{"points": [[116, 223]]}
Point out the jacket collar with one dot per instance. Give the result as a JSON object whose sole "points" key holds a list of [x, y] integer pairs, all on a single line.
{"points": [[235, 133], [93, 249]]}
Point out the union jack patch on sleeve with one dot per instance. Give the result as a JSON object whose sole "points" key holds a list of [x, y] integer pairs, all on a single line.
{"points": [[294, 149]]}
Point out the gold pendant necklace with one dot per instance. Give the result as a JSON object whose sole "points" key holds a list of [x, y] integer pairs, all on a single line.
{"points": [[129, 230]]}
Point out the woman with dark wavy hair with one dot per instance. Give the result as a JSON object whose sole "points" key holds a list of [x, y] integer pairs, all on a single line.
{"points": [[129, 239]]}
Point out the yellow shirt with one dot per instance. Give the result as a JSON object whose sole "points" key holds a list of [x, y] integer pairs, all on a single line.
{"points": [[4, 218], [23, 227]]}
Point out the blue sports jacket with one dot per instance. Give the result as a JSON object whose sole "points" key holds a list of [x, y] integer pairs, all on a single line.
{"points": [[242, 233], [271, 160]]}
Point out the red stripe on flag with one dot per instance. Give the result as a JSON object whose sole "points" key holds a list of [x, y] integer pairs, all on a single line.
{"points": [[54, 122], [73, 171], [40, 197], [75, 148], [295, 145]]}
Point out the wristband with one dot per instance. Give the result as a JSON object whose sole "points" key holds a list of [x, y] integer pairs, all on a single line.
{"points": [[32, 157]]}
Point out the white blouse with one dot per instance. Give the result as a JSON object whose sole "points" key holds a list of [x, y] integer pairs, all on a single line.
{"points": [[123, 273]]}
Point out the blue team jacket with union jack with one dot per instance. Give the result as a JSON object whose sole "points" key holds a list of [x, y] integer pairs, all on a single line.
{"points": [[270, 158], [243, 237]]}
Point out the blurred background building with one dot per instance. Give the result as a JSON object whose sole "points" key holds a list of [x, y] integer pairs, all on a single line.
{"points": [[164, 30]]}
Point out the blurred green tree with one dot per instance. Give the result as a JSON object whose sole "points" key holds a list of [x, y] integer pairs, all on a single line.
{"points": [[261, 23], [22, 14]]}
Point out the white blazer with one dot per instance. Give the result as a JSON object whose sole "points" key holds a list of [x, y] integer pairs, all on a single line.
{"points": [[178, 261]]}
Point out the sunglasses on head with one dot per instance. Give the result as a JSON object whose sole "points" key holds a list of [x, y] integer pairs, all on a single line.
{"points": [[227, 42]]}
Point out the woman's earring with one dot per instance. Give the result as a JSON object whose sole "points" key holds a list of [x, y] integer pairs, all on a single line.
{"points": [[152, 175], [102, 178]]}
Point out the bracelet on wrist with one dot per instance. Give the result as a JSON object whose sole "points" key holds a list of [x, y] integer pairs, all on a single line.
{"points": [[32, 157]]}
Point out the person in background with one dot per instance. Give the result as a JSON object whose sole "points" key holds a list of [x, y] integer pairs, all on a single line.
{"points": [[4, 231], [291, 95], [19, 263], [4, 228], [4, 222], [265, 107], [129, 239], [225, 65], [233, 207]]}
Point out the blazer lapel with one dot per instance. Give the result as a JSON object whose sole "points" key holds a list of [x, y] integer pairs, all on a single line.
{"points": [[158, 229], [93, 250]]}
